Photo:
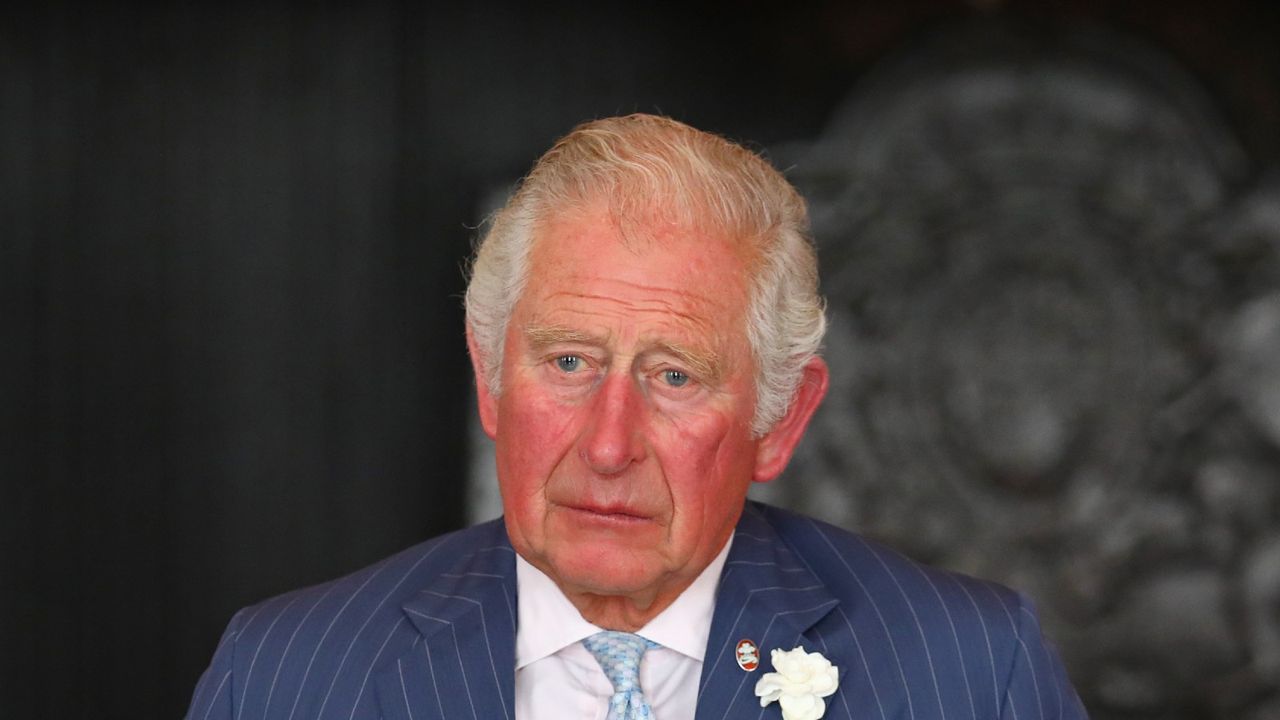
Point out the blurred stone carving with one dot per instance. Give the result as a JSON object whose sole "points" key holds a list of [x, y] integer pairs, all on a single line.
{"points": [[1055, 343]]}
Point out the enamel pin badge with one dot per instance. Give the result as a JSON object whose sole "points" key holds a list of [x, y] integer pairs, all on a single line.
{"points": [[748, 655]]}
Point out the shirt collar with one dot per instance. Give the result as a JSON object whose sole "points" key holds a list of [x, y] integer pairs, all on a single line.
{"points": [[548, 622]]}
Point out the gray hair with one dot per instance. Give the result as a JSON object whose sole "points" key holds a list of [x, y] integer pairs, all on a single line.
{"points": [[648, 169]]}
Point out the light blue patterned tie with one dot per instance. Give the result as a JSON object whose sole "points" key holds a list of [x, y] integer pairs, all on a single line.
{"points": [[619, 655]]}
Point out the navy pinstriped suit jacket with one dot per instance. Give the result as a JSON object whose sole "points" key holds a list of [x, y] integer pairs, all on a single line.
{"points": [[430, 633]]}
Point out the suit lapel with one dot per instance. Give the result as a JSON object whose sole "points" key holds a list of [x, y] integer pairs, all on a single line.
{"points": [[766, 595], [462, 665]]}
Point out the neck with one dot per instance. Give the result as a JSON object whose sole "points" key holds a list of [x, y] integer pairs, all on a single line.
{"points": [[620, 612]]}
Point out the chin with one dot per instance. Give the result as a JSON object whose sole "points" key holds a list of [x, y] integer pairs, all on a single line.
{"points": [[610, 576]]}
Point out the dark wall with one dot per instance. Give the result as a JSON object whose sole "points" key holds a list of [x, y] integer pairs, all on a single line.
{"points": [[231, 258], [232, 349]]}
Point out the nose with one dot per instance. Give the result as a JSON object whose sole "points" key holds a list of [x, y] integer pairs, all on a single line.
{"points": [[612, 440]]}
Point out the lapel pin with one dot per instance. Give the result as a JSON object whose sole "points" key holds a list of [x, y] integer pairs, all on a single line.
{"points": [[748, 655]]}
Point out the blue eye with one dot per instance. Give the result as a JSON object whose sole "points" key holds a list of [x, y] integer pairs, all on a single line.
{"points": [[675, 378], [569, 363]]}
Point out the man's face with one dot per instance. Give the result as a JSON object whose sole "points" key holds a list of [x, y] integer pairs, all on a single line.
{"points": [[624, 448]]}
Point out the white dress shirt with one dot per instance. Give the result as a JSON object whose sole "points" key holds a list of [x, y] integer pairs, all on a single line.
{"points": [[558, 679]]}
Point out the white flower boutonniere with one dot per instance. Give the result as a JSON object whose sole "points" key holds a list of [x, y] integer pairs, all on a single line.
{"points": [[801, 681]]}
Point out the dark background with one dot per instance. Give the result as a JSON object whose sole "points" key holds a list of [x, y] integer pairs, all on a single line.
{"points": [[231, 259]]}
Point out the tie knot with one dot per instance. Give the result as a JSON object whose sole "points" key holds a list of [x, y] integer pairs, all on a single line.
{"points": [[619, 655]]}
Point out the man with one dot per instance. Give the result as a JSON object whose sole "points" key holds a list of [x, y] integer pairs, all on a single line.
{"points": [[643, 319]]}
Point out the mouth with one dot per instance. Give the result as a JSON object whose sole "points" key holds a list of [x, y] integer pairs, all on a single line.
{"points": [[616, 513]]}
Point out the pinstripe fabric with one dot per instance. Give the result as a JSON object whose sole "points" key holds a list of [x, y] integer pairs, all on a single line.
{"points": [[910, 641], [430, 633], [427, 633]]}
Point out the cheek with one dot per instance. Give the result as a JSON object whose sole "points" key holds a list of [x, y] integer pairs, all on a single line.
{"points": [[709, 459], [538, 433]]}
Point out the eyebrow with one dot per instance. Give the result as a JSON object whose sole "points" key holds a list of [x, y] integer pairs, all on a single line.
{"points": [[541, 337], [704, 364]]}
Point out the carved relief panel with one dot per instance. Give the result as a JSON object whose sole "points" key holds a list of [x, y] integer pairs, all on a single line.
{"points": [[1055, 345]]}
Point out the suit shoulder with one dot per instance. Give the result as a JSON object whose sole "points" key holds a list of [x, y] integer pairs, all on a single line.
{"points": [[862, 569], [966, 642], [373, 594], [311, 652]]}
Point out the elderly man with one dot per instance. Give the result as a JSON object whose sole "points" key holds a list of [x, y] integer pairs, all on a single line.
{"points": [[643, 319]]}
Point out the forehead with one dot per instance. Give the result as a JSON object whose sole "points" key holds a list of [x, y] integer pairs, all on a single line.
{"points": [[589, 254]]}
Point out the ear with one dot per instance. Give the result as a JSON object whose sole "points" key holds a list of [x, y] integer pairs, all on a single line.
{"points": [[774, 450], [487, 403]]}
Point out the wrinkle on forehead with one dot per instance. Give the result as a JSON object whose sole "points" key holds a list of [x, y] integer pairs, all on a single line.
{"points": [[625, 297], [663, 300]]}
